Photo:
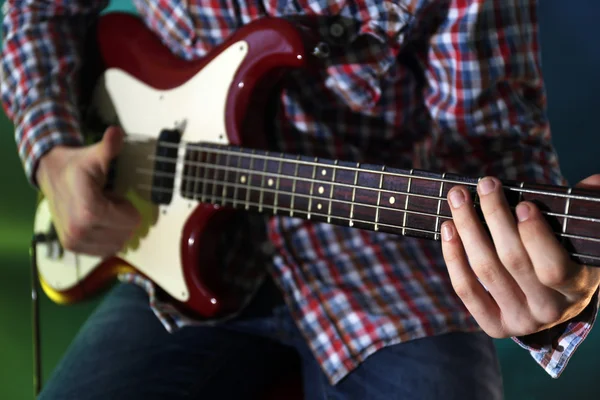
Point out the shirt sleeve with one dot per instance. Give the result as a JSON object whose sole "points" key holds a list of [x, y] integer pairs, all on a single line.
{"points": [[41, 54], [486, 94]]}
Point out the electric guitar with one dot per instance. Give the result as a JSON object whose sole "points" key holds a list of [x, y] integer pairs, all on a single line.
{"points": [[188, 163]]}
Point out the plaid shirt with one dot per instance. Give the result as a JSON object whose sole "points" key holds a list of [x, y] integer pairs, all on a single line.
{"points": [[450, 86]]}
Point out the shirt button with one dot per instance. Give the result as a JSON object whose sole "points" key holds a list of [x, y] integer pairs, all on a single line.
{"points": [[336, 30]]}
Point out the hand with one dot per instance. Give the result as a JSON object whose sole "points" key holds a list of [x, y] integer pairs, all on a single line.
{"points": [[87, 219], [533, 284]]}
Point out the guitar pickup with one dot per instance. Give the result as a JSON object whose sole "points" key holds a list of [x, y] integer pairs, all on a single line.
{"points": [[165, 165]]}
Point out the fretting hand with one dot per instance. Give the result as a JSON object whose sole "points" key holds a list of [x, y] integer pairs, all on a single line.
{"points": [[532, 282]]}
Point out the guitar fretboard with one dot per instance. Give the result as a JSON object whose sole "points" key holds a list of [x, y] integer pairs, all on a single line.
{"points": [[371, 197]]}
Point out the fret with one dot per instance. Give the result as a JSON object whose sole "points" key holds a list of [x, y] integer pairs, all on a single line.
{"points": [[379, 198], [196, 160], [475, 195], [225, 181], [322, 195], [276, 201], [205, 180], [520, 192], [340, 193], [215, 178], [249, 179], [312, 186], [186, 183], [365, 209], [406, 203], [351, 222], [552, 200], [283, 183], [439, 208], [294, 186], [304, 198], [262, 186], [335, 165], [566, 217], [582, 235], [268, 184], [237, 179]]}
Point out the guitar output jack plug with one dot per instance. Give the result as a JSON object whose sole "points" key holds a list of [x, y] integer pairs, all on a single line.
{"points": [[321, 50]]}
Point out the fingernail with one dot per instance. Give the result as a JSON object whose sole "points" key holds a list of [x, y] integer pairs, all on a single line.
{"points": [[457, 198], [486, 186], [447, 232], [523, 212]]}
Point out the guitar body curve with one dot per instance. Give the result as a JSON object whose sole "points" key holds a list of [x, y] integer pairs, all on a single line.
{"points": [[146, 89]]}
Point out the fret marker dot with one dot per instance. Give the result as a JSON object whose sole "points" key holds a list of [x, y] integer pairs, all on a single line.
{"points": [[319, 206], [243, 179], [270, 182], [321, 190], [324, 172], [392, 199]]}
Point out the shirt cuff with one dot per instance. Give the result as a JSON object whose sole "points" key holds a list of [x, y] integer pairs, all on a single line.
{"points": [[44, 125], [553, 348]]}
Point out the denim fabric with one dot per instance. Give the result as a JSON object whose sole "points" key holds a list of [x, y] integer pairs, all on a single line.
{"points": [[123, 352]]}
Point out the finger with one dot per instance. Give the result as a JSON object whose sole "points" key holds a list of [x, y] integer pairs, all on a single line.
{"points": [[507, 240], [551, 262], [118, 214], [464, 281], [481, 252], [591, 182]]}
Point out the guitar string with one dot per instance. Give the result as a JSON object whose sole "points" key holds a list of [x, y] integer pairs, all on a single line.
{"points": [[255, 204], [208, 166], [277, 193], [195, 179], [267, 157], [204, 147]]}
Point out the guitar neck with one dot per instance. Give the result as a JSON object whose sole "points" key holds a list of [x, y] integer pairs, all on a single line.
{"points": [[371, 197]]}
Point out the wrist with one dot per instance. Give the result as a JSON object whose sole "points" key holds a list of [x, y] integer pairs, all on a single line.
{"points": [[52, 160]]}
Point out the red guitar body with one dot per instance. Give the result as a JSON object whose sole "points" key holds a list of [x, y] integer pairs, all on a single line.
{"points": [[274, 45], [123, 43]]}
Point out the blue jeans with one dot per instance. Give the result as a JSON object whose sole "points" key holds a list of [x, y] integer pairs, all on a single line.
{"points": [[123, 352]]}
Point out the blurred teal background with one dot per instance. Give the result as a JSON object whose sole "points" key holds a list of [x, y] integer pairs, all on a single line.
{"points": [[571, 64]]}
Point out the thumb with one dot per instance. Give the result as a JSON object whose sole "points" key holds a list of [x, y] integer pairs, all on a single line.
{"points": [[109, 147], [591, 182]]}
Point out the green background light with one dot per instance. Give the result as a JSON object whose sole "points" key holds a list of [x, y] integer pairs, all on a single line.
{"points": [[573, 83]]}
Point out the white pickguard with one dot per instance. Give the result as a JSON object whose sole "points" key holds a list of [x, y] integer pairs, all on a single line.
{"points": [[142, 111]]}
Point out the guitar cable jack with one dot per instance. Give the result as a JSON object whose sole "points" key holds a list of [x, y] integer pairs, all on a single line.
{"points": [[321, 50]]}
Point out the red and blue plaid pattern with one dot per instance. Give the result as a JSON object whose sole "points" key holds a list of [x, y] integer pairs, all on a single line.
{"points": [[450, 85]]}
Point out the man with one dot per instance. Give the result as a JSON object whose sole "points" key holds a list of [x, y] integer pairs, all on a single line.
{"points": [[448, 85]]}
